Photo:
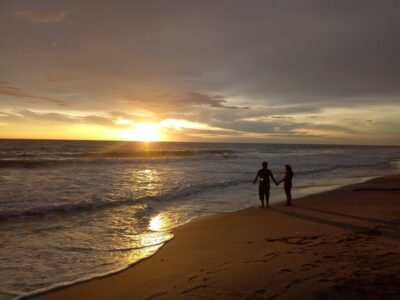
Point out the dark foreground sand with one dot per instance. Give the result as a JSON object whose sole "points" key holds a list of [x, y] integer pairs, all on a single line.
{"points": [[342, 244]]}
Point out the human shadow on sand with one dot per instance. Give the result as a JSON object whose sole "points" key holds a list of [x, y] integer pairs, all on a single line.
{"points": [[348, 226], [346, 215]]}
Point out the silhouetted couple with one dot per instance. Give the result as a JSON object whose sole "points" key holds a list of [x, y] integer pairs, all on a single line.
{"points": [[263, 176]]}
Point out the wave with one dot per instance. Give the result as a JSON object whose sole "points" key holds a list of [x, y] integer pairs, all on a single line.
{"points": [[94, 249], [81, 279], [32, 161], [384, 164], [27, 163], [181, 192], [162, 153], [178, 193]]}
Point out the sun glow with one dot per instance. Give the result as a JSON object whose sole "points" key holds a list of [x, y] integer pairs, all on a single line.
{"points": [[145, 132], [160, 131]]}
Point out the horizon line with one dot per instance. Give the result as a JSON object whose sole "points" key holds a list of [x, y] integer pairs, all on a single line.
{"points": [[198, 142]]}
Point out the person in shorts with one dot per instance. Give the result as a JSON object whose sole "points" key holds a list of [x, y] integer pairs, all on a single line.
{"points": [[263, 176]]}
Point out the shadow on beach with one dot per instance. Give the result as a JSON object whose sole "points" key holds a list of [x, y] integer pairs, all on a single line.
{"points": [[371, 231]]}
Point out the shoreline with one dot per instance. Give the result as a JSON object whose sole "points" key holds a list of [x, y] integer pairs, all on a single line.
{"points": [[316, 190], [62, 291]]}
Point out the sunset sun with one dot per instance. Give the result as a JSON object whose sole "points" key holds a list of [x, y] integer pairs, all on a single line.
{"points": [[145, 132]]}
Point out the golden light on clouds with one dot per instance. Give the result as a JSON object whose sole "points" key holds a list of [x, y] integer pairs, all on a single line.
{"points": [[333, 125], [182, 124]]}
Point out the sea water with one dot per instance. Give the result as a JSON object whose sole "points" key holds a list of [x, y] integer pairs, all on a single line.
{"points": [[75, 210]]}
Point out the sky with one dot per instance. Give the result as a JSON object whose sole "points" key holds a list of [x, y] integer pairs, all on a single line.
{"points": [[211, 70]]}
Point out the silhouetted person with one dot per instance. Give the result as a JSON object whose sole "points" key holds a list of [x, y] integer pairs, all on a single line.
{"points": [[263, 176], [288, 184]]}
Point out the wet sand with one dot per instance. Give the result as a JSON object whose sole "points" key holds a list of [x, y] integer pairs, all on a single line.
{"points": [[342, 244]]}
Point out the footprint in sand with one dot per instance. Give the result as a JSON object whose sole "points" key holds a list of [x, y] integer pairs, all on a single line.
{"points": [[295, 240], [194, 288], [297, 281], [151, 297], [216, 271], [294, 282], [270, 254], [258, 293], [285, 270], [307, 267]]}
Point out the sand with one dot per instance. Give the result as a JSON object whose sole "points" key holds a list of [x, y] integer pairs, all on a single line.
{"points": [[342, 244]]}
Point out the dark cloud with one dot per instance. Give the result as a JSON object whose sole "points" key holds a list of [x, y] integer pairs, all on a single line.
{"points": [[194, 98], [181, 101], [63, 80], [8, 90], [210, 133], [331, 128], [285, 127], [328, 54], [27, 115], [224, 118], [41, 17]]}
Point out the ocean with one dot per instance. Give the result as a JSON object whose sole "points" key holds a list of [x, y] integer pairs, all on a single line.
{"points": [[75, 210]]}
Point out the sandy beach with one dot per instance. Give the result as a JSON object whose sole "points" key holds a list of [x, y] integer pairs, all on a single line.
{"points": [[341, 244]]}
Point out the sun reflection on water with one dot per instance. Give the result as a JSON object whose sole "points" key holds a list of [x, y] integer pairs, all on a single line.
{"points": [[157, 223], [163, 222], [134, 242], [148, 180]]}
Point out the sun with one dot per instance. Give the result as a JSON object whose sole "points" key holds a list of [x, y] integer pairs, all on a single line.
{"points": [[145, 132]]}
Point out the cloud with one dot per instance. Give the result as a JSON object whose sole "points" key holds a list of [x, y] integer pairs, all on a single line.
{"points": [[182, 101], [275, 121], [129, 116], [260, 67], [206, 133], [230, 129], [63, 80], [24, 115], [41, 17], [9, 90], [199, 99], [330, 128]]}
